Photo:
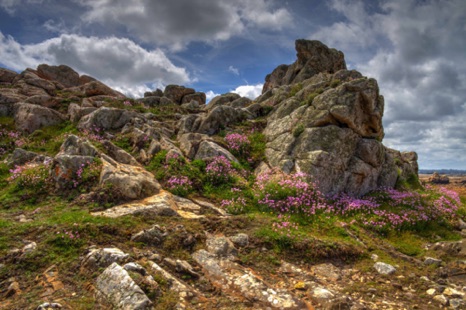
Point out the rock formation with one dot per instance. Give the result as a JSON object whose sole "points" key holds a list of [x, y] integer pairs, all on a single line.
{"points": [[326, 121]]}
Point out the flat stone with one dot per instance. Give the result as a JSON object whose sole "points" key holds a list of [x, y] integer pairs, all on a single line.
{"points": [[432, 261], [384, 268], [431, 291], [104, 257], [450, 292], [321, 294], [158, 205], [441, 299]]}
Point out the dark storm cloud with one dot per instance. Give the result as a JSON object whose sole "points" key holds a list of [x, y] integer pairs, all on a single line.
{"points": [[421, 70], [176, 23]]}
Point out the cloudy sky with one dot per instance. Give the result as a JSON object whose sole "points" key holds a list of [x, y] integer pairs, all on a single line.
{"points": [[416, 49]]}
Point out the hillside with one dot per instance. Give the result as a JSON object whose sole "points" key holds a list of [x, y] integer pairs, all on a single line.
{"points": [[288, 201]]}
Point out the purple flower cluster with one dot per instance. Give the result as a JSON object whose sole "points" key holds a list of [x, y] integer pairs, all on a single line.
{"points": [[94, 134], [237, 143], [219, 170], [235, 205], [395, 209], [30, 174], [383, 209], [287, 194], [450, 194], [180, 186]]}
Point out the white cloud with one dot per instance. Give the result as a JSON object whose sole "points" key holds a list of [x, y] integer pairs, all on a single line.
{"points": [[116, 61], [249, 91], [210, 94], [416, 52], [233, 70], [176, 23]]}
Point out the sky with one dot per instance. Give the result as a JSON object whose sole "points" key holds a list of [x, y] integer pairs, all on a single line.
{"points": [[416, 49]]}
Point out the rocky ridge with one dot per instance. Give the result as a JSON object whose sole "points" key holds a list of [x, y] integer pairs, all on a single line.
{"points": [[317, 117]]}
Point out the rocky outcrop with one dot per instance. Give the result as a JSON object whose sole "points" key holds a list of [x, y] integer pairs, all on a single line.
{"points": [[328, 124], [313, 57], [436, 178]]}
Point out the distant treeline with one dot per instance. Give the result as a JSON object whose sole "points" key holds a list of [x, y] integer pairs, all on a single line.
{"points": [[443, 171]]}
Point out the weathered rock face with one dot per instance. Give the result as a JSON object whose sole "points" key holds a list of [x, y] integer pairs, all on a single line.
{"points": [[30, 117], [7, 76], [115, 286], [130, 182], [105, 118], [62, 74], [313, 57], [328, 124]]}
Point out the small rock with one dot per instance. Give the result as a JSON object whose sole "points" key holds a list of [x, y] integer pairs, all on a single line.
{"points": [[104, 257], [13, 288], [153, 236], [221, 246], [432, 261], [23, 219], [384, 268], [450, 292], [461, 224], [374, 257], [135, 267], [28, 248], [49, 305], [457, 303], [156, 257], [431, 291], [424, 278], [441, 299], [320, 294], [240, 240]]}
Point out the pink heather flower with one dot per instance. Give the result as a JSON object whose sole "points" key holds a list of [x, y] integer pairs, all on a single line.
{"points": [[237, 142]]}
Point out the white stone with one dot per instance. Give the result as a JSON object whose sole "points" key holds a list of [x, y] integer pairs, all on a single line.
{"points": [[384, 268]]}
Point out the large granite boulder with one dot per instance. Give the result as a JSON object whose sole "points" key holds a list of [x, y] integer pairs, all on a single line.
{"points": [[30, 117], [106, 118], [176, 93], [126, 181], [61, 74]]}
